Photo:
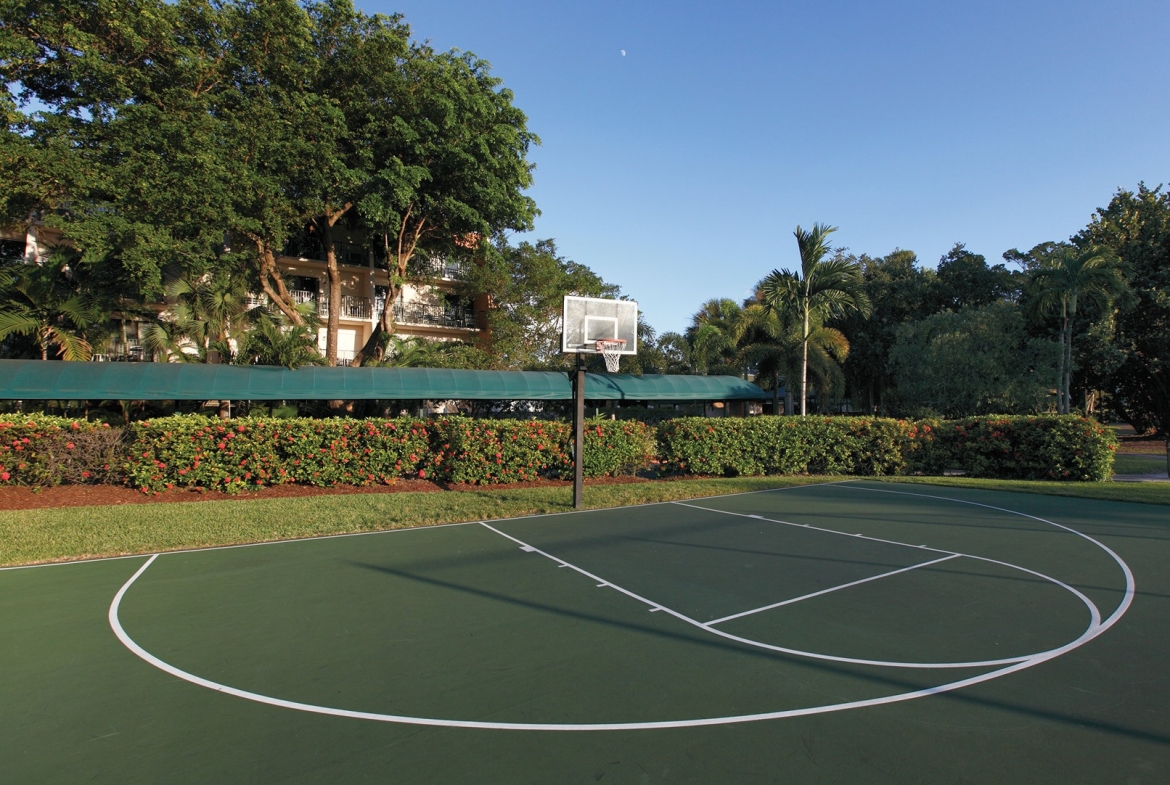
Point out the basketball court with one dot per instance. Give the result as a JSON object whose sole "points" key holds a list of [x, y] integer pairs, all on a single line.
{"points": [[845, 632]]}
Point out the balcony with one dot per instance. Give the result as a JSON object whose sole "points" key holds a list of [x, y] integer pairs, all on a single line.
{"points": [[310, 248], [438, 267], [434, 315], [351, 307]]}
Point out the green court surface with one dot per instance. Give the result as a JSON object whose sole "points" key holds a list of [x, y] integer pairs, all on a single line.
{"points": [[847, 632]]}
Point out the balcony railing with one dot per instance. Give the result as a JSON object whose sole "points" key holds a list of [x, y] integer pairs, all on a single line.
{"points": [[434, 315], [438, 267], [302, 296], [351, 307]]}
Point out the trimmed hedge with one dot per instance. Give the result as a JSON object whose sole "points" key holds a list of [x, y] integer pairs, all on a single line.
{"points": [[200, 452], [1065, 447], [42, 450], [1031, 448], [501, 451], [190, 451]]}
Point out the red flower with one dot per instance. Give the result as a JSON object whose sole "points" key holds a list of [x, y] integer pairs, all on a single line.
{"points": [[4, 476], [422, 473], [69, 446]]}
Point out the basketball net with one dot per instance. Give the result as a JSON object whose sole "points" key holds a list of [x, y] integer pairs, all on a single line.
{"points": [[611, 350]]}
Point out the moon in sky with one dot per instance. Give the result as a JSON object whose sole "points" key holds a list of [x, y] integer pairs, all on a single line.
{"points": [[623, 53]]}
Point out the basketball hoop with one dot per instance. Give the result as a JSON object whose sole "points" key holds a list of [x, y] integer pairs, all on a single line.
{"points": [[611, 350]]}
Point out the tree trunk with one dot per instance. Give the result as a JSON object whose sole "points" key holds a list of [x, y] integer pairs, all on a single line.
{"points": [[776, 395], [788, 400], [397, 259], [272, 282], [1068, 370], [804, 369], [333, 278], [1060, 368], [376, 344]]}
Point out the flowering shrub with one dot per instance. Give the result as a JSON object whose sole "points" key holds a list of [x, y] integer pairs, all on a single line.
{"points": [[789, 445], [1067, 447], [200, 452], [1057, 448], [502, 451], [42, 450]]}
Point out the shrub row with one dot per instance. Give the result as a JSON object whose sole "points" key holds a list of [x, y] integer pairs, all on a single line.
{"points": [[500, 451], [199, 452], [1020, 448], [187, 451]]}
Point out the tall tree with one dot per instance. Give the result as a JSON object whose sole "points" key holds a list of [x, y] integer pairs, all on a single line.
{"points": [[1136, 227], [972, 361], [450, 168], [900, 291], [524, 287], [122, 156], [1072, 278], [772, 342], [965, 280], [822, 289]]}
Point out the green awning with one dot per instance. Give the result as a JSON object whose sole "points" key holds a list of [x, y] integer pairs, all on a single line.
{"points": [[144, 381]]}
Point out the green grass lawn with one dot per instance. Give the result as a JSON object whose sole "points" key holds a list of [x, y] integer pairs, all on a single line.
{"points": [[1130, 463], [30, 536]]}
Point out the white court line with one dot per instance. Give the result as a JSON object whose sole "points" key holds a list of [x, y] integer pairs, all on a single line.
{"points": [[1095, 629], [830, 590], [1094, 613], [817, 528], [424, 527]]}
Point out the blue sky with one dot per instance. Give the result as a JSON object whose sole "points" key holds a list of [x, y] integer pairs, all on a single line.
{"points": [[680, 169]]}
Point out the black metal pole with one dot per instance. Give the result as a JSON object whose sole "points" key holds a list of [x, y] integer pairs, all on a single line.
{"points": [[579, 433]]}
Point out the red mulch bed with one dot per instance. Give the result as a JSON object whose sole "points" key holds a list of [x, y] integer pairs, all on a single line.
{"points": [[21, 498]]}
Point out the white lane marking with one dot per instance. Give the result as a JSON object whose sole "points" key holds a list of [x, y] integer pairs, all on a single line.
{"points": [[426, 527], [816, 528], [1094, 631], [829, 590], [1094, 615]]}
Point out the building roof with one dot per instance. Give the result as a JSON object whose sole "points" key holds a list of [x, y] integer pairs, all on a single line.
{"points": [[145, 381]]}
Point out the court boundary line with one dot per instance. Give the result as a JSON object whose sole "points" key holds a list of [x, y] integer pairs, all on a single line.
{"points": [[830, 590], [1088, 635], [307, 538]]}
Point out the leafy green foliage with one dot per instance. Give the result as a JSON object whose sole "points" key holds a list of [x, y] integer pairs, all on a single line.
{"points": [[500, 451], [273, 341], [1065, 447], [974, 361], [204, 453], [200, 452], [1048, 448], [788, 445], [527, 285], [823, 289], [45, 303], [40, 450], [1136, 227]]}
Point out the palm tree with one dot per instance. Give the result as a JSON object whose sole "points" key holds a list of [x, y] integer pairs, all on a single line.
{"points": [[709, 337], [1069, 277], [821, 290], [278, 341], [42, 301], [205, 313], [773, 342]]}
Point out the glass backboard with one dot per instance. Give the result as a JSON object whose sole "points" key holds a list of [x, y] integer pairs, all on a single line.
{"points": [[588, 320]]}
